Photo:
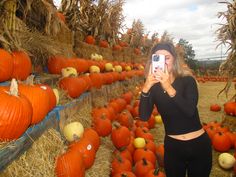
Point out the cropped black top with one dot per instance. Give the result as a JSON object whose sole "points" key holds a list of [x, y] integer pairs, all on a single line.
{"points": [[179, 113]]}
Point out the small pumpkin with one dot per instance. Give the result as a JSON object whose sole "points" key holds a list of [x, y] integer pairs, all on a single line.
{"points": [[120, 136], [73, 131], [86, 148], [221, 142], [93, 137], [69, 71], [70, 163], [215, 107], [142, 167], [90, 40], [226, 160], [120, 164]]}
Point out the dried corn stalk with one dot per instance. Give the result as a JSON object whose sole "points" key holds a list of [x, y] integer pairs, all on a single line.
{"points": [[227, 36]]}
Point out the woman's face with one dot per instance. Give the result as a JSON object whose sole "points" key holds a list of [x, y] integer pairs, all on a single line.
{"points": [[168, 58]]}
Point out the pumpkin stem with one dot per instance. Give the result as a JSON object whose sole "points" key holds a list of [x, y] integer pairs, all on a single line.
{"points": [[30, 80], [14, 88], [124, 175], [144, 161]]}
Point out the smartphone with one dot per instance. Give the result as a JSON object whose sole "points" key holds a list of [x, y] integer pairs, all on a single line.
{"points": [[158, 61]]}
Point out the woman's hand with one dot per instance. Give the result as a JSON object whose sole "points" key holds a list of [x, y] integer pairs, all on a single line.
{"points": [[163, 78], [150, 81]]}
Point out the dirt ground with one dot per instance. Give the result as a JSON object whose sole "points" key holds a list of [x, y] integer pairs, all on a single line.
{"points": [[207, 95]]}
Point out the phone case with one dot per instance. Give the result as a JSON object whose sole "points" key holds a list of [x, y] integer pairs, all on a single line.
{"points": [[158, 61]]}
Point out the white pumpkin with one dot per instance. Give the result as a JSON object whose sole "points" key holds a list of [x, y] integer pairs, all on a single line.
{"points": [[226, 160], [139, 142], [108, 67], [73, 131], [69, 71], [94, 69], [118, 68], [128, 68], [56, 92], [158, 119]]}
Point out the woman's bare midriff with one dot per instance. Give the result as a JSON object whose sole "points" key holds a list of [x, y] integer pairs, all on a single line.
{"points": [[188, 136]]}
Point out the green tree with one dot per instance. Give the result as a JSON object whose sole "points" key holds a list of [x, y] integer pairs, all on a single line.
{"points": [[189, 53]]}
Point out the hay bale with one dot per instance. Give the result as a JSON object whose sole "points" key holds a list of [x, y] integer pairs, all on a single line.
{"points": [[102, 164], [118, 56], [85, 50], [78, 111], [106, 53], [39, 160], [127, 54]]}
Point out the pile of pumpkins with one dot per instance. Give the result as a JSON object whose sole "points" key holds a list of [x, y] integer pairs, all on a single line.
{"points": [[228, 107], [23, 105], [223, 140], [80, 75], [14, 65], [135, 152]]}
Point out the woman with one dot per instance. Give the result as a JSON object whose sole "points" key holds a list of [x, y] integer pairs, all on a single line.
{"points": [[175, 94]]}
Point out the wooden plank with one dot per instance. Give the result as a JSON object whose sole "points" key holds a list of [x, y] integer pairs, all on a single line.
{"points": [[14, 149]]}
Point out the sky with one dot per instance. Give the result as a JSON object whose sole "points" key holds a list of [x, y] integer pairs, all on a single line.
{"points": [[193, 20]]}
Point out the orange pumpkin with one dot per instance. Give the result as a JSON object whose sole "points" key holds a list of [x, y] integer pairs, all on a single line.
{"points": [[155, 173], [97, 80], [74, 86], [102, 125], [142, 167], [52, 96], [117, 47], [141, 153], [103, 43], [90, 40], [55, 64], [39, 99], [86, 148], [120, 136], [22, 66], [124, 153], [128, 96], [6, 65], [125, 119], [215, 107], [120, 164], [229, 108], [124, 174], [15, 113], [221, 142], [93, 137], [70, 164]]}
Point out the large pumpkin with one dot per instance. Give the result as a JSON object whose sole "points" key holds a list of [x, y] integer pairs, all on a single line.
{"points": [[70, 164], [51, 94], [39, 99], [74, 86], [15, 113], [6, 65], [22, 66], [86, 148]]}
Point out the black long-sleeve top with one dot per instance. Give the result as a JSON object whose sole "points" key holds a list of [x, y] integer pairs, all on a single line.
{"points": [[179, 113]]}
